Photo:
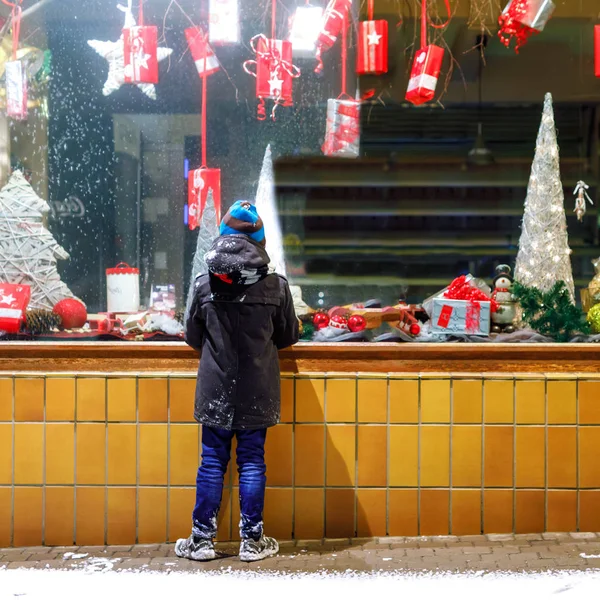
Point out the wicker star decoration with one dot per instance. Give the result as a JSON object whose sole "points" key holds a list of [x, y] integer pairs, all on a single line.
{"points": [[114, 53]]}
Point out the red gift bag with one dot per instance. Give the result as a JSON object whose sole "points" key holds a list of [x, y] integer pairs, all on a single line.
{"points": [[204, 57], [140, 54], [372, 55], [424, 74], [14, 299], [199, 182]]}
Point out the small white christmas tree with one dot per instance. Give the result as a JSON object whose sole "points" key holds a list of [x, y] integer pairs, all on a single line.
{"points": [[28, 251], [207, 233], [544, 255]]}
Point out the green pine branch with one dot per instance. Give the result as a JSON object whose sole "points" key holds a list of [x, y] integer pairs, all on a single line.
{"points": [[551, 313]]}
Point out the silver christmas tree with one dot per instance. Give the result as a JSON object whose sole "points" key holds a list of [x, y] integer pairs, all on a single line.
{"points": [[544, 255], [208, 232]]}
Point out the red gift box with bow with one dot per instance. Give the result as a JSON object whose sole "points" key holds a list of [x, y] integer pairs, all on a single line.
{"points": [[425, 74], [372, 55], [140, 54]]}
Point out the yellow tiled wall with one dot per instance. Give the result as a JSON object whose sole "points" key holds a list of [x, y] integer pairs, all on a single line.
{"points": [[100, 459]]}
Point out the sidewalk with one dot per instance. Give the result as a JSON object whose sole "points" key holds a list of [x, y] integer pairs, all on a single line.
{"points": [[490, 553]]}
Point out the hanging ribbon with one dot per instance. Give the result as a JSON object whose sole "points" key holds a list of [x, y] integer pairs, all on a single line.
{"points": [[141, 14], [371, 10], [204, 94], [16, 24], [344, 56], [425, 19], [273, 18]]}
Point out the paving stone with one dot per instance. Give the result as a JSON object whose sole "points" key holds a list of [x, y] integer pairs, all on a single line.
{"points": [[500, 537], [583, 536]]}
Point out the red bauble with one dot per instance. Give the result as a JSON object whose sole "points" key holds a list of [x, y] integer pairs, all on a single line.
{"points": [[415, 329], [320, 320], [357, 323], [72, 312], [339, 322]]}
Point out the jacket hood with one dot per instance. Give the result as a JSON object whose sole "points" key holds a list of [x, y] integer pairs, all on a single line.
{"points": [[238, 256]]}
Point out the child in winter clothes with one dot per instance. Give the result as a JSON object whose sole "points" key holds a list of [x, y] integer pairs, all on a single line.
{"points": [[241, 315]]}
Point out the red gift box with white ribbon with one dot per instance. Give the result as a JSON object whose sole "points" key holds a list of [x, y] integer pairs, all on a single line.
{"points": [[200, 181], [372, 55], [274, 75], [14, 299], [332, 22], [342, 134], [204, 57], [16, 90], [424, 74], [140, 54]]}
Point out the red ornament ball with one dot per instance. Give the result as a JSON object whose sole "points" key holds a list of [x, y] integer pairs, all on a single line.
{"points": [[415, 329], [357, 323], [72, 312], [339, 322], [320, 320]]}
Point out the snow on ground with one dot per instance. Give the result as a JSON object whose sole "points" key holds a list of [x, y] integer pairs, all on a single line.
{"points": [[101, 583]]}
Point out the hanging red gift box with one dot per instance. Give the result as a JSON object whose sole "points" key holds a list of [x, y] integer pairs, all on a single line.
{"points": [[342, 133], [424, 75], [200, 181], [597, 50], [140, 54], [331, 25], [523, 18], [204, 57], [14, 299], [16, 89], [372, 55], [223, 22]]}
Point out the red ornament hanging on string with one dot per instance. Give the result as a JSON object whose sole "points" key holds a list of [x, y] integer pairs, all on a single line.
{"points": [[523, 18], [427, 63], [372, 52], [140, 52], [15, 71], [332, 24], [204, 57], [597, 50]]}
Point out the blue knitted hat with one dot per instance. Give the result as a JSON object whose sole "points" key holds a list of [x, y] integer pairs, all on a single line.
{"points": [[243, 218]]}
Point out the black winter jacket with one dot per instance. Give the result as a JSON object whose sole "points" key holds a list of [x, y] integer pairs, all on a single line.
{"points": [[240, 317]]}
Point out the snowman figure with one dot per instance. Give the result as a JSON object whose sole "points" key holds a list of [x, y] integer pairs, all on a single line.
{"points": [[503, 318]]}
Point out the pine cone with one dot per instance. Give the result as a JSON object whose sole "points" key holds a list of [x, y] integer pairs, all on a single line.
{"points": [[180, 316], [38, 322]]}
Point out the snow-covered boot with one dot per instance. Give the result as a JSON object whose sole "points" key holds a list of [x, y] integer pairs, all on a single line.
{"points": [[195, 548], [253, 550]]}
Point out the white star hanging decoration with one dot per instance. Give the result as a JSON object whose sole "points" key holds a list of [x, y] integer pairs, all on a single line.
{"points": [[7, 299], [275, 84], [374, 38], [114, 53]]}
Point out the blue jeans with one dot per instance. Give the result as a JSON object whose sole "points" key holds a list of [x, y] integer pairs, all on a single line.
{"points": [[216, 451]]}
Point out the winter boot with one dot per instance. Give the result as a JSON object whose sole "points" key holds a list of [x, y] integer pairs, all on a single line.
{"points": [[195, 548], [253, 550]]}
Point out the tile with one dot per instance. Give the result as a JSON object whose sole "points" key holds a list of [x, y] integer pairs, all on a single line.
{"points": [[60, 399], [372, 455], [152, 515], [562, 402], [59, 519], [121, 399], [309, 454], [310, 400], [152, 400], [29, 453], [287, 400], [181, 505], [28, 516], [309, 513], [60, 454], [466, 512], [341, 455], [589, 450], [467, 400], [562, 457], [404, 455], [91, 453], [339, 513], [497, 511], [530, 509], [434, 512], [404, 400], [498, 401], [183, 454], [562, 510], [589, 402], [530, 402], [466, 455], [341, 400], [278, 455], [120, 516], [531, 457], [5, 516], [403, 513], [91, 399], [371, 509], [498, 456], [152, 455], [435, 401], [589, 515], [90, 502], [6, 399], [122, 454], [278, 513], [6, 453], [435, 455], [182, 397], [29, 399], [372, 400]]}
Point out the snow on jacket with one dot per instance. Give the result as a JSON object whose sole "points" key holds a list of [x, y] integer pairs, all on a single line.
{"points": [[240, 317]]}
